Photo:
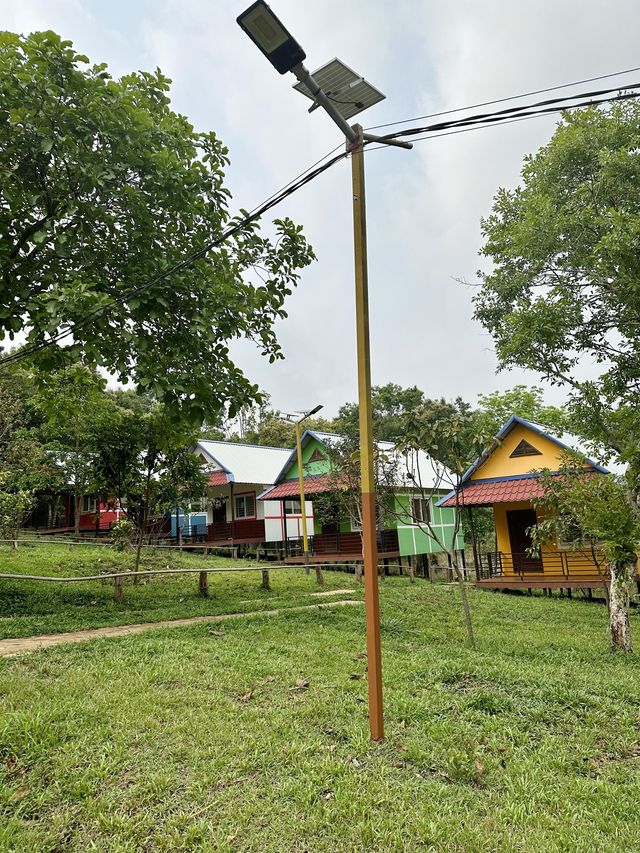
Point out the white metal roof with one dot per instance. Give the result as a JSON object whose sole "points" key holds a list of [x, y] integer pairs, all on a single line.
{"points": [[246, 463]]}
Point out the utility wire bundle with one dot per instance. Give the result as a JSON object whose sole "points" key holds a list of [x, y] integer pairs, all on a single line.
{"points": [[516, 113]]}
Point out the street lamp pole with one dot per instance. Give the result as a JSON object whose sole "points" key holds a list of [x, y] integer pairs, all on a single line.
{"points": [[285, 54], [367, 474], [303, 510]]}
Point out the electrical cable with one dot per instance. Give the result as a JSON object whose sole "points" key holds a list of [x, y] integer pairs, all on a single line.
{"points": [[436, 132], [273, 200], [524, 109], [510, 98]]}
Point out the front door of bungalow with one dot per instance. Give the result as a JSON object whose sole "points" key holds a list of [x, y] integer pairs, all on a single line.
{"points": [[518, 522]]}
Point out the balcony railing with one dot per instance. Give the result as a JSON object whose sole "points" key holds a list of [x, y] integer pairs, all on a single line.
{"points": [[251, 529], [550, 564], [351, 543]]}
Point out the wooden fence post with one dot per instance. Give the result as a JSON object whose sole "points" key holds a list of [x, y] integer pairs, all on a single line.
{"points": [[203, 584], [117, 588], [265, 579]]}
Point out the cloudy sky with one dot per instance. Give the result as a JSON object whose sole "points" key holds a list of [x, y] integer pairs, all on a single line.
{"points": [[424, 206]]}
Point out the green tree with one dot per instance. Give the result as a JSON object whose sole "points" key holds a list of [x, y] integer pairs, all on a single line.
{"points": [[593, 510], [390, 405], [75, 407], [563, 297], [449, 434], [146, 465], [495, 409], [130, 398], [104, 188], [24, 464]]}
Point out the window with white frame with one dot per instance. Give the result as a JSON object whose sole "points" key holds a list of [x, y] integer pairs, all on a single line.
{"points": [[89, 504], [420, 510], [245, 506], [292, 507]]}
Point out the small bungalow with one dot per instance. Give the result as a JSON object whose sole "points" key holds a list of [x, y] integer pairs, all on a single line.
{"points": [[231, 514], [55, 512], [340, 539], [504, 478]]}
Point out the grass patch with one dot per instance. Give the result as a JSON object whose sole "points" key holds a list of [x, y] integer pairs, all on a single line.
{"points": [[33, 607], [255, 738]]}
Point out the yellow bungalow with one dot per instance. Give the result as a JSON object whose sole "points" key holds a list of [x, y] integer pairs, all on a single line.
{"points": [[504, 478]]}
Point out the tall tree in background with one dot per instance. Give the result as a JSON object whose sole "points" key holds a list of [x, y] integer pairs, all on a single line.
{"points": [[146, 463], [564, 292], [495, 409], [103, 188], [75, 408], [390, 405], [24, 465]]}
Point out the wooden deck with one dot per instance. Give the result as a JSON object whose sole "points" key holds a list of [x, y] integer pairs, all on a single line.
{"points": [[540, 581]]}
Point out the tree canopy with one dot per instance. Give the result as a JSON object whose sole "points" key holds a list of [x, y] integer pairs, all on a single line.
{"points": [[103, 189], [564, 291]]}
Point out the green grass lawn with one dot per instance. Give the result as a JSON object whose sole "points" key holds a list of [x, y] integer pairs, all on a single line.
{"points": [[255, 737], [28, 608]]}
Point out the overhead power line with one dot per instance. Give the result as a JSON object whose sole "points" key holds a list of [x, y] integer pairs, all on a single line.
{"points": [[435, 131], [550, 105], [510, 98]]}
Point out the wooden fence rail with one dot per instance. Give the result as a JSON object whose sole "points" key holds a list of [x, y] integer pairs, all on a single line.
{"points": [[118, 578]]}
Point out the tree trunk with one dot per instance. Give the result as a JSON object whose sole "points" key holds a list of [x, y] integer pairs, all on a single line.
{"points": [[465, 601], [619, 606], [76, 520], [136, 564], [145, 520], [358, 572], [319, 576]]}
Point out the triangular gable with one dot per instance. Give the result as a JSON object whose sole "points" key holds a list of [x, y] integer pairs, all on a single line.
{"points": [[496, 461], [315, 459]]}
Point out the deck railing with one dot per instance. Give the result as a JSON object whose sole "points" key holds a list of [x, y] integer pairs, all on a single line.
{"points": [[551, 564], [240, 529], [351, 543]]}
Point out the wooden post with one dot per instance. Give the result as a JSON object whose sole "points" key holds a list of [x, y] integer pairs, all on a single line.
{"points": [[233, 518], [367, 479], [203, 584], [117, 588], [265, 579]]}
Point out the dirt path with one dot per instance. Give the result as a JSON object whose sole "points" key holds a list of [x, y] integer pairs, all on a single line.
{"points": [[24, 645]]}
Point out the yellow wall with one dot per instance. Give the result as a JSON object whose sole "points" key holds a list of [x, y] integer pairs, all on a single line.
{"points": [[500, 465]]}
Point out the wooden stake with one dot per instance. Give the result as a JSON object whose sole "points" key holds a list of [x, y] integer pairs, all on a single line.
{"points": [[117, 588], [203, 584]]}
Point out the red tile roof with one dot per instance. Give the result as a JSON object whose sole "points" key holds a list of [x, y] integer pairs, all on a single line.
{"points": [[218, 478], [291, 488], [503, 491]]}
